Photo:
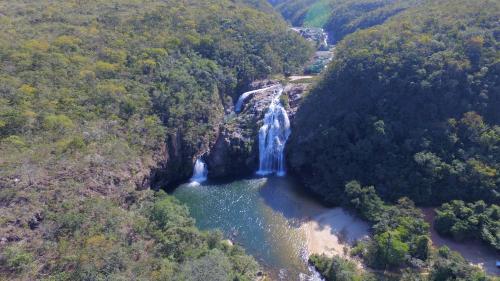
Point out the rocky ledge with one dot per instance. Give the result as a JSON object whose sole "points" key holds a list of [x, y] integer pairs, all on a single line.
{"points": [[236, 151]]}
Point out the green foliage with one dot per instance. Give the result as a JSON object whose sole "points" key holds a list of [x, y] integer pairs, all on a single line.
{"points": [[364, 200], [410, 107], [342, 17], [318, 14], [168, 211], [338, 269], [465, 221], [401, 236], [390, 250], [93, 94], [285, 101], [450, 265], [154, 239], [349, 16], [214, 266], [16, 258]]}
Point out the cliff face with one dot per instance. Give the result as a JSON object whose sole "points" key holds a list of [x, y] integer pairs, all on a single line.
{"points": [[236, 150], [183, 147], [231, 148]]}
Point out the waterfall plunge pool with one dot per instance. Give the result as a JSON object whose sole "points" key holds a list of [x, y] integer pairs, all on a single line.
{"points": [[274, 219]]}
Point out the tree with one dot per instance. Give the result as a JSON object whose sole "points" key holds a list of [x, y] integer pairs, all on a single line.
{"points": [[390, 251]]}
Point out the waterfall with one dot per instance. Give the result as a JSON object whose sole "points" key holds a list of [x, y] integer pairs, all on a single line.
{"points": [[200, 172], [244, 96], [272, 137]]}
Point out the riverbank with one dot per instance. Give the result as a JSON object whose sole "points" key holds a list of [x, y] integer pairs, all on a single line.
{"points": [[473, 251], [275, 220], [333, 232]]}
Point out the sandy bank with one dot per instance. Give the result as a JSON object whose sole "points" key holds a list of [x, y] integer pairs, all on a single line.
{"points": [[333, 232], [473, 251]]}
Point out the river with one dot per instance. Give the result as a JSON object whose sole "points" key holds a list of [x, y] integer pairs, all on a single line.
{"points": [[274, 220]]}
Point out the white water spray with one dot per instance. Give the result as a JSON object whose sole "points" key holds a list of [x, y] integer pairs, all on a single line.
{"points": [[200, 172], [244, 96], [272, 137]]}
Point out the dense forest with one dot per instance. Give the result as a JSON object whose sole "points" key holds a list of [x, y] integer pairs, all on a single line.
{"points": [[400, 243], [467, 221], [446, 265], [410, 107], [103, 103], [341, 17], [90, 92]]}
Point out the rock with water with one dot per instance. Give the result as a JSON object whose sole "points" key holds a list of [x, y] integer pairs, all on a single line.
{"points": [[314, 34], [273, 135], [200, 171], [236, 151]]}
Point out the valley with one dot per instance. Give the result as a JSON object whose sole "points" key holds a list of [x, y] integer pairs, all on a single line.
{"points": [[242, 140]]}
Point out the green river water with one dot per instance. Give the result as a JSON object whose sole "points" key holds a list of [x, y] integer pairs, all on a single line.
{"points": [[265, 215], [261, 214]]}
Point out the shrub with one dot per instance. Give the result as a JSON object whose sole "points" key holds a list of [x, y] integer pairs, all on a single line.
{"points": [[17, 259]]}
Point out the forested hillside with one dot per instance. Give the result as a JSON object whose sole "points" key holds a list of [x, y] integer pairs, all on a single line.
{"points": [[93, 94], [401, 244], [341, 17], [409, 106], [468, 221]]}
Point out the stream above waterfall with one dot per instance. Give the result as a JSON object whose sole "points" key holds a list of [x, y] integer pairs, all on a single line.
{"points": [[274, 220]]}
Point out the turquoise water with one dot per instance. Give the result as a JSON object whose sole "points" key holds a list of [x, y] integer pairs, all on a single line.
{"points": [[264, 216], [261, 214]]}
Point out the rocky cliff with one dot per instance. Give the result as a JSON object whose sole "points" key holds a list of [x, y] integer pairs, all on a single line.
{"points": [[236, 151], [231, 149]]}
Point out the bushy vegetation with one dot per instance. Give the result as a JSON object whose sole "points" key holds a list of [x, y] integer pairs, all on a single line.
{"points": [[410, 107], [449, 265], [445, 265], [400, 234], [352, 15], [342, 17], [311, 13], [292, 10], [93, 94], [466, 221], [400, 243], [338, 269], [153, 238]]}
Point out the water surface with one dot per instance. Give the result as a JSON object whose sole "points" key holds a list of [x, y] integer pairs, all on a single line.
{"points": [[272, 218], [280, 224]]}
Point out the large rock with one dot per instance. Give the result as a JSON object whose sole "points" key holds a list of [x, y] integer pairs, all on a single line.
{"points": [[236, 150]]}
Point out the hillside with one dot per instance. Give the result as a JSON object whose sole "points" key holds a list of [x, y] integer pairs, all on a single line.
{"points": [[342, 17], [95, 94], [409, 106]]}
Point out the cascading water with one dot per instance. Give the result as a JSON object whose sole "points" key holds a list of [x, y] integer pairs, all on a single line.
{"points": [[200, 172], [272, 137], [244, 96]]}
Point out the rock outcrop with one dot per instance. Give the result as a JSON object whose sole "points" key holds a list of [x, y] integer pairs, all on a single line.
{"points": [[230, 149], [236, 151]]}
